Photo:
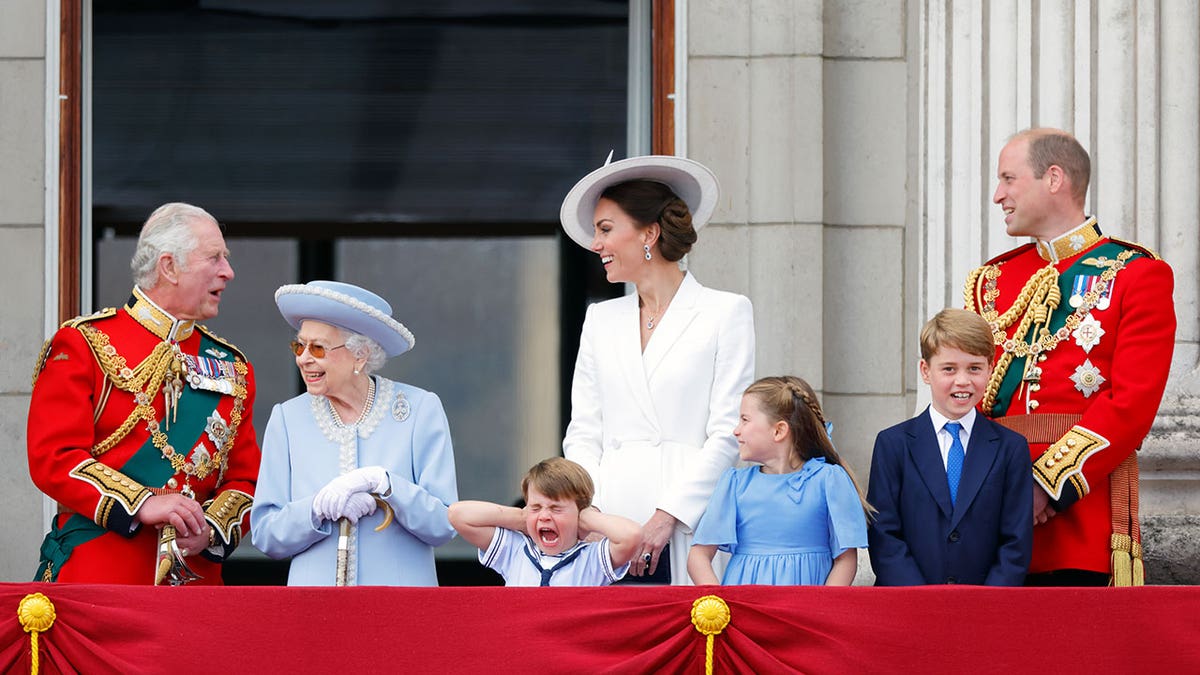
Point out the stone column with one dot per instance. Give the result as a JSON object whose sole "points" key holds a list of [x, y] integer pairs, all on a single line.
{"points": [[1124, 77]]}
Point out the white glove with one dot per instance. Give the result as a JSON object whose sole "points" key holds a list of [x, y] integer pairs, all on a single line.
{"points": [[358, 506], [330, 501]]}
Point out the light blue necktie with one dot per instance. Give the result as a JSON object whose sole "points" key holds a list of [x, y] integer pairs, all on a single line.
{"points": [[954, 460]]}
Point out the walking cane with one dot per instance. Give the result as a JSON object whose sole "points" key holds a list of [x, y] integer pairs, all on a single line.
{"points": [[343, 549]]}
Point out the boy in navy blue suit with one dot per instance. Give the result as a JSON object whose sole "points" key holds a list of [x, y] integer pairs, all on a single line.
{"points": [[954, 489]]}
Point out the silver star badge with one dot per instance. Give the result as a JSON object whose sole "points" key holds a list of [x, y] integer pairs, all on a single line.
{"points": [[200, 454], [1088, 333], [1077, 242], [217, 429], [1087, 378]]}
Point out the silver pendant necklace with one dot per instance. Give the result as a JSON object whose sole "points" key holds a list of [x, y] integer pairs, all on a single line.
{"points": [[650, 321]]}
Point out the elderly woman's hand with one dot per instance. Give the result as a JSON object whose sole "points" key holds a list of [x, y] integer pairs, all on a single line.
{"points": [[656, 533], [360, 505], [330, 501]]}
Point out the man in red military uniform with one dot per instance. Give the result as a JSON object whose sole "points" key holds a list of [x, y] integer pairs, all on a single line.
{"points": [[140, 421], [1084, 327]]}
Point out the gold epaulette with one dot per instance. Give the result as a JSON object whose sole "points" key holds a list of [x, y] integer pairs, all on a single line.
{"points": [[94, 316], [225, 343], [1140, 248], [69, 323]]}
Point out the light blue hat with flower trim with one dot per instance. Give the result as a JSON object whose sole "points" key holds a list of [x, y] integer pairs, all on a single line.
{"points": [[346, 306]]}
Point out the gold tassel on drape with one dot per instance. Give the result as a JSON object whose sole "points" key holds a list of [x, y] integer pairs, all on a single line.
{"points": [[36, 614], [710, 616]]}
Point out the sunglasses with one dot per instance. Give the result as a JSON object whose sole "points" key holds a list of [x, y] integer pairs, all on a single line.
{"points": [[317, 351]]}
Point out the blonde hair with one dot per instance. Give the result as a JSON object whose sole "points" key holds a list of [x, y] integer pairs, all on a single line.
{"points": [[560, 478], [790, 399], [958, 328]]}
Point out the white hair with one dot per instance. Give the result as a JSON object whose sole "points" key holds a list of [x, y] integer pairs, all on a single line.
{"points": [[167, 231], [362, 346]]}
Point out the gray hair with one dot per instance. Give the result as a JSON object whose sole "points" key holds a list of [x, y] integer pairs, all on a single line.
{"points": [[363, 346], [167, 231]]}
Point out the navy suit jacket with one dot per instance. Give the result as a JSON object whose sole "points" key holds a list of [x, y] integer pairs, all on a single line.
{"points": [[985, 538]]}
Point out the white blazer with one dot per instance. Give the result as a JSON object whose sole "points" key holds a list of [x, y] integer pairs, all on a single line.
{"points": [[655, 429]]}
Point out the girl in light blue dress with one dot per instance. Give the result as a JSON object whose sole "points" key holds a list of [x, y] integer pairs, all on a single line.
{"points": [[799, 518]]}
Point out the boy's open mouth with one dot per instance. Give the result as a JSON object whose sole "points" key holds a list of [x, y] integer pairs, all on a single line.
{"points": [[548, 536]]}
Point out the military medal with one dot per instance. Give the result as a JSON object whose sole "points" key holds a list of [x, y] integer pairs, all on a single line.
{"points": [[1088, 333], [1105, 295], [1080, 287], [201, 454], [210, 374], [1087, 378], [217, 429]]}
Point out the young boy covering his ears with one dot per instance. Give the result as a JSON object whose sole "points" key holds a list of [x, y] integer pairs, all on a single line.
{"points": [[543, 544]]}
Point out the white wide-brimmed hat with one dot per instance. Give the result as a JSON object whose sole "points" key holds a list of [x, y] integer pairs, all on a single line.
{"points": [[346, 306], [691, 181]]}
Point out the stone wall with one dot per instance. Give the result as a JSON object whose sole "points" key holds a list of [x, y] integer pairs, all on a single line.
{"points": [[22, 255], [801, 108]]}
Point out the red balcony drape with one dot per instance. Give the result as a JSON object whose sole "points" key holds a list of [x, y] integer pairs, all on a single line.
{"points": [[119, 629]]}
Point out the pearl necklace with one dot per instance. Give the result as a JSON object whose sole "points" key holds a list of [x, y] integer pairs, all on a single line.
{"points": [[366, 409]]}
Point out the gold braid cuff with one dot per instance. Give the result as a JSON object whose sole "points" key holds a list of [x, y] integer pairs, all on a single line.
{"points": [[115, 489], [225, 513], [1063, 461]]}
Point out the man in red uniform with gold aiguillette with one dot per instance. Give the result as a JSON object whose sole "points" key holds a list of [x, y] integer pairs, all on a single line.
{"points": [[140, 421], [1084, 327]]}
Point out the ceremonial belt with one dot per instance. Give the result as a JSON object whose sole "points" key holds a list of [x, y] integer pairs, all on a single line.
{"points": [[1045, 428], [1125, 544], [1013, 378], [147, 466]]}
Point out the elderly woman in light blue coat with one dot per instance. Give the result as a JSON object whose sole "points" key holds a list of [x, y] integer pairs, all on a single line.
{"points": [[352, 448]]}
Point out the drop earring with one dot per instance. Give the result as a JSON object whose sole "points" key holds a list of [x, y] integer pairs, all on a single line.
{"points": [[646, 248]]}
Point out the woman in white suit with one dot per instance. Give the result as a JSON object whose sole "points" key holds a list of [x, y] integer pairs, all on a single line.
{"points": [[660, 372]]}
